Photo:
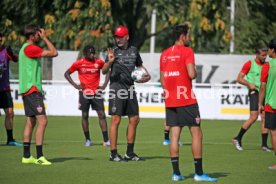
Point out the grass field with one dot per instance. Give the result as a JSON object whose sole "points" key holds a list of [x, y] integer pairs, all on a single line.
{"points": [[74, 163]]}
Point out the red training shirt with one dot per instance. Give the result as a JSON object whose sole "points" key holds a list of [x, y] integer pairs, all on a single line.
{"points": [[177, 83], [89, 73]]}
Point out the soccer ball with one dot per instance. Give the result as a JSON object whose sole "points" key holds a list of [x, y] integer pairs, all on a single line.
{"points": [[137, 74]]}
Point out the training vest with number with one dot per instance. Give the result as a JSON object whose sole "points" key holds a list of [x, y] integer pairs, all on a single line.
{"points": [[270, 97], [29, 72], [254, 74]]}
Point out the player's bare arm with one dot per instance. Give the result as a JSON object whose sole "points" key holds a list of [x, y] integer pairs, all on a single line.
{"points": [[261, 96], [68, 77], [51, 51], [105, 81], [162, 79], [191, 71], [244, 82]]}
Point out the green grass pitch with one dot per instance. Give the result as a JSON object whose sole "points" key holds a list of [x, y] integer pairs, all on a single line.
{"points": [[75, 164]]}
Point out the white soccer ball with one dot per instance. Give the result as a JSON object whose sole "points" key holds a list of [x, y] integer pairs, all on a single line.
{"points": [[137, 74]]}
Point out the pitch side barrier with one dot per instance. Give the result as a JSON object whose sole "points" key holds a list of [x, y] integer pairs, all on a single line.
{"points": [[216, 101]]}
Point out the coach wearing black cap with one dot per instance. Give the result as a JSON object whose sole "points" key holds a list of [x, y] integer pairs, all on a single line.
{"points": [[122, 60]]}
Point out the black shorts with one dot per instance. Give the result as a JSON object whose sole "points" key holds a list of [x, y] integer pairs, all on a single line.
{"points": [[96, 102], [6, 100], [253, 99], [33, 104], [270, 120], [126, 106], [183, 116]]}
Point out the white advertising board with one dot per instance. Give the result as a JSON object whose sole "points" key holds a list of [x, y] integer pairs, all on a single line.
{"points": [[215, 102], [211, 68]]}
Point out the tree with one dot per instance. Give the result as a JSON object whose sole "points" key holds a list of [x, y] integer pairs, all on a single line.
{"points": [[209, 21], [207, 18], [69, 24], [136, 15], [72, 24], [255, 24]]}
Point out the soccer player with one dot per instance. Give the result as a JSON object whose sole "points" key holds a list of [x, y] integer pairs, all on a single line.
{"points": [[252, 70], [90, 93], [177, 70], [122, 60], [6, 103], [268, 91], [30, 87]]}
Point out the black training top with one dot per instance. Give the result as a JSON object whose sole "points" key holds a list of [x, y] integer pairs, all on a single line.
{"points": [[124, 63]]}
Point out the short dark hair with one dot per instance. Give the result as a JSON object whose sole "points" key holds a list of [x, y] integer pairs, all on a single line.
{"points": [[30, 29], [1, 35], [260, 48], [272, 44], [180, 29], [88, 49]]}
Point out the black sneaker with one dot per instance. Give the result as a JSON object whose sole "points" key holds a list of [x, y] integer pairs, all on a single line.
{"points": [[116, 158], [133, 157]]}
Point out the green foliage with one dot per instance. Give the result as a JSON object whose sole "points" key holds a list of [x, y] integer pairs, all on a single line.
{"points": [[209, 20], [255, 24], [69, 24], [74, 23], [136, 15]]}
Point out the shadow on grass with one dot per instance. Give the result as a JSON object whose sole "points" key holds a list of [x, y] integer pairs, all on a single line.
{"points": [[214, 175], [55, 160], [156, 157], [185, 144]]}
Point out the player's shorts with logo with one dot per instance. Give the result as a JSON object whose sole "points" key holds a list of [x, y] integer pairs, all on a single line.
{"points": [[183, 116], [270, 120], [34, 105], [253, 98], [6, 100], [123, 105], [96, 102]]}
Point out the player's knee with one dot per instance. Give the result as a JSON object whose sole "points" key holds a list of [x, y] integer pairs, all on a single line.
{"points": [[115, 122], [253, 118], [43, 122], [135, 119], [197, 133], [85, 115], [10, 114], [101, 115]]}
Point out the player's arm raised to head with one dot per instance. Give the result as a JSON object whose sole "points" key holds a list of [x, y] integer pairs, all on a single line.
{"points": [[191, 70], [51, 51]]}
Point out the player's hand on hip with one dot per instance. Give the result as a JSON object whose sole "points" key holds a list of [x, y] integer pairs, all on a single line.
{"points": [[79, 87], [252, 86]]}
